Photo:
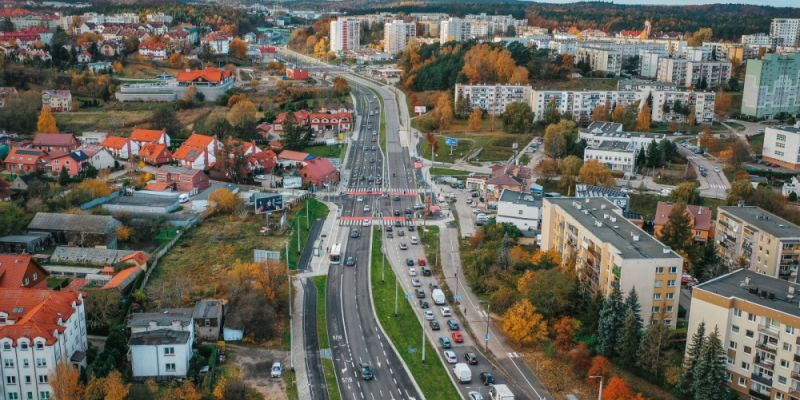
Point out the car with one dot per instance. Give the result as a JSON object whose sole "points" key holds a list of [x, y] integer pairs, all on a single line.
{"points": [[355, 233], [487, 378], [396, 213], [434, 325], [420, 293], [429, 315], [396, 198], [277, 370], [473, 395], [414, 240], [390, 235], [416, 283], [412, 272], [426, 271], [424, 304], [445, 342], [450, 356], [350, 261], [410, 227], [401, 233], [703, 173], [366, 372], [366, 222], [453, 325], [457, 337], [432, 286], [389, 229], [397, 223], [445, 311], [421, 262], [359, 198], [717, 169], [403, 246], [472, 358], [410, 262], [366, 208], [260, 177]]}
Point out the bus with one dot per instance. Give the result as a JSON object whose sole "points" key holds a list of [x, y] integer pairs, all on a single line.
{"points": [[336, 254]]}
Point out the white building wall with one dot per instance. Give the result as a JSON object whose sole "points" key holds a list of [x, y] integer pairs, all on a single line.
{"points": [[522, 216], [782, 145], [153, 360]]}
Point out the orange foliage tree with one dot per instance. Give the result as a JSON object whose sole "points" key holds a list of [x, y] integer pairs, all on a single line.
{"points": [[564, 333], [46, 123], [617, 389], [523, 325], [643, 120], [65, 382], [600, 367], [475, 119], [238, 48], [485, 64], [594, 172]]}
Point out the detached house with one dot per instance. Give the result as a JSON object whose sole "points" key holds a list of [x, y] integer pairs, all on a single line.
{"points": [[700, 218], [155, 154], [21, 271], [120, 147], [161, 343], [145, 136], [319, 172], [75, 163], [198, 152], [22, 161], [51, 142], [153, 50], [182, 179], [57, 100]]}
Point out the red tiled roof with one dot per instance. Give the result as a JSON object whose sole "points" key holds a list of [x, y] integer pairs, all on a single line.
{"points": [[300, 116], [147, 135], [121, 277], [139, 257], [701, 215], [319, 167], [13, 269], [153, 46], [153, 150], [208, 75], [158, 186], [54, 139], [115, 142], [198, 140], [292, 155], [36, 312], [25, 156], [75, 285]]}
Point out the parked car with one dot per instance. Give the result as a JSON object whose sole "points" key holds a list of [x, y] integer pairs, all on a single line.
{"points": [[277, 370]]}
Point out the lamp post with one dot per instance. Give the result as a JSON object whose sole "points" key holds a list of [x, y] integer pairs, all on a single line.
{"points": [[600, 393], [486, 336]]}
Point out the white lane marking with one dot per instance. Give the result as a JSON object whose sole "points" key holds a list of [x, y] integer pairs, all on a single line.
{"points": [[526, 379]]}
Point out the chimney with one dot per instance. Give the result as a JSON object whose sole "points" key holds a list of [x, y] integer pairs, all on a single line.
{"points": [[747, 281], [666, 250]]}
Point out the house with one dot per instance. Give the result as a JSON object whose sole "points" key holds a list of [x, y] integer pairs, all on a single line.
{"points": [[291, 158], [198, 152], [155, 154], [519, 209], [319, 172], [120, 147], [208, 319], [99, 157], [145, 136], [21, 161], [79, 230], [74, 162], [496, 184], [219, 42], [183, 179], [99, 67], [263, 161], [50, 142], [300, 116], [21, 244], [299, 74], [161, 343], [92, 137], [41, 328], [90, 256], [153, 50], [333, 123], [122, 280], [57, 100], [699, 217], [21, 271]]}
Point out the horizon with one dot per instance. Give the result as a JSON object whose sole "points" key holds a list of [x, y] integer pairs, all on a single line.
{"points": [[771, 3]]}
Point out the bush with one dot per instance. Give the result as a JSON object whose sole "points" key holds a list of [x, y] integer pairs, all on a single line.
{"points": [[792, 196]]}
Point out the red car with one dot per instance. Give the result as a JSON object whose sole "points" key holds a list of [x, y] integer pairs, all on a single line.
{"points": [[457, 337], [421, 262]]}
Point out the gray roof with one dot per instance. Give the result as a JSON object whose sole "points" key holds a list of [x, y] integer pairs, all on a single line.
{"points": [[87, 256], [787, 128], [101, 224], [583, 190], [207, 308], [756, 288], [620, 233], [163, 318], [150, 200], [763, 220], [214, 186], [157, 337], [614, 145], [604, 127], [513, 196], [178, 170], [31, 238]]}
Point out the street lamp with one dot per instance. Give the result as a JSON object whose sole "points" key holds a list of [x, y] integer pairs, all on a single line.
{"points": [[486, 336], [599, 393]]}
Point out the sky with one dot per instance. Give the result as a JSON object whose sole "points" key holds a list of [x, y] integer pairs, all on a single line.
{"points": [[774, 3]]}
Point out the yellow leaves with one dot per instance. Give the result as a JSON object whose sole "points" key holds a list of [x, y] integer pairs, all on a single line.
{"points": [[224, 200], [475, 119], [124, 233], [722, 104], [219, 390], [524, 281], [594, 172], [270, 278], [643, 120], [321, 48], [523, 325], [699, 36], [238, 48], [443, 111], [95, 187], [65, 382], [340, 85], [242, 113], [46, 123], [484, 64], [177, 61], [619, 113]]}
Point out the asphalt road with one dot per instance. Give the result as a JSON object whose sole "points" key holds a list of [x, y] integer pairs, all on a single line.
{"points": [[316, 377]]}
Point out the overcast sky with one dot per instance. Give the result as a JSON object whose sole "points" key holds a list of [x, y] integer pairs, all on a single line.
{"points": [[774, 3]]}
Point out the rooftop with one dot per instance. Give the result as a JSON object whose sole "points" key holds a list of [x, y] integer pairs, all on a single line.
{"points": [[207, 308], [513, 196], [756, 288], [763, 220], [790, 129], [36, 312], [700, 215], [605, 221], [604, 127], [157, 337], [163, 318], [43, 221], [584, 190], [613, 145]]}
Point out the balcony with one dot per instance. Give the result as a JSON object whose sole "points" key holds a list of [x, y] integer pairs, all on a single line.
{"points": [[768, 330], [762, 379], [759, 394], [767, 347], [766, 364]]}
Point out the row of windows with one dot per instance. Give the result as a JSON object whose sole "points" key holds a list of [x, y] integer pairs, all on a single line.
{"points": [[40, 363], [657, 296], [23, 346], [670, 283], [12, 380], [15, 395], [672, 270]]}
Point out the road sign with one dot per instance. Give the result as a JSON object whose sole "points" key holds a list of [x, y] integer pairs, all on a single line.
{"points": [[452, 142], [268, 203]]}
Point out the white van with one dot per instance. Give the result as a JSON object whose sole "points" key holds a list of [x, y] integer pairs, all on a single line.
{"points": [[463, 373], [183, 198]]}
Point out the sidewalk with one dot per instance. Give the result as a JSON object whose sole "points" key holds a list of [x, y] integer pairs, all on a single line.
{"points": [[298, 355], [319, 263]]}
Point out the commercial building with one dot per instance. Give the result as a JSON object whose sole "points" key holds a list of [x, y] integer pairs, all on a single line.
{"points": [[616, 155], [520, 209], [700, 219], [785, 31], [397, 34], [345, 35], [753, 238], [772, 86], [782, 146], [758, 323], [611, 251], [601, 131], [454, 29], [600, 60], [211, 82], [492, 98]]}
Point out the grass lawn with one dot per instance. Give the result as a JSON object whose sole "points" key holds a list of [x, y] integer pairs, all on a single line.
{"points": [[335, 151], [757, 143], [405, 332], [645, 204], [495, 146], [736, 125], [321, 283], [315, 211], [80, 121], [448, 172]]}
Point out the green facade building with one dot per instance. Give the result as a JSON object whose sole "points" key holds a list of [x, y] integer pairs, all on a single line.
{"points": [[772, 86]]}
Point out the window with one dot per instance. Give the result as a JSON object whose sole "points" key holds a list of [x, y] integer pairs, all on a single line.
{"points": [[749, 333], [26, 363], [737, 312], [42, 378], [735, 328], [789, 329], [730, 360], [13, 396], [784, 363], [745, 366], [669, 309], [44, 395], [39, 345], [656, 296], [779, 396], [742, 382], [747, 349], [657, 283], [673, 270], [659, 270], [751, 317], [170, 367], [41, 362], [656, 309], [6, 346], [671, 283], [787, 347], [23, 346], [732, 344], [11, 380], [27, 379], [670, 296], [30, 395], [781, 379], [169, 351]]}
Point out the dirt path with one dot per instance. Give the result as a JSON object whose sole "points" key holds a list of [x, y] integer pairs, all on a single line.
{"points": [[254, 364]]}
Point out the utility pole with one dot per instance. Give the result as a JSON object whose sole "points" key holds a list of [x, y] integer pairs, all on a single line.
{"points": [[486, 338], [383, 267], [395, 295], [600, 393], [298, 235], [423, 345], [455, 296]]}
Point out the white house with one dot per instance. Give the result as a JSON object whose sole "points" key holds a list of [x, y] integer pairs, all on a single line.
{"points": [[39, 329], [198, 152], [782, 146], [99, 157], [161, 343], [219, 42], [120, 147], [521, 209], [617, 155]]}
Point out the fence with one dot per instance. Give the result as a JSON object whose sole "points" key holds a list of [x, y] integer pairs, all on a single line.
{"points": [[100, 200]]}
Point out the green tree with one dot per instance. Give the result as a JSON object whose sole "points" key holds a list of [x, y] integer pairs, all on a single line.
{"points": [[518, 118], [463, 108], [677, 232], [295, 137], [652, 352], [551, 114], [559, 138], [63, 177], [6, 25], [709, 371], [612, 317], [741, 190], [552, 292], [628, 345], [164, 118], [653, 155], [693, 350], [13, 218], [632, 305], [685, 192]]}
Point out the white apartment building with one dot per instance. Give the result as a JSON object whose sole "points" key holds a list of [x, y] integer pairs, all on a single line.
{"points": [[758, 39], [561, 46], [672, 70], [600, 60], [703, 103], [713, 73], [397, 34], [520, 209], [616, 155], [38, 329], [648, 62], [454, 29], [628, 47], [580, 104], [494, 24], [782, 146], [786, 31], [611, 251], [345, 35], [161, 343], [492, 98]]}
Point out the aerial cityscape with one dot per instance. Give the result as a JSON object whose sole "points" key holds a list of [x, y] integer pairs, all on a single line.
{"points": [[428, 199]]}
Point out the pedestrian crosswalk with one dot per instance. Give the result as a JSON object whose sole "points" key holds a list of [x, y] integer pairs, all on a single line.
{"points": [[513, 355], [359, 221], [717, 187], [373, 190]]}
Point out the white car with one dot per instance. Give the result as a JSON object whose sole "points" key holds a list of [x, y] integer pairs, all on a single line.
{"points": [[277, 370], [450, 356], [416, 283], [365, 223], [414, 240], [716, 169], [475, 395], [359, 198], [412, 272], [446, 311], [428, 315], [366, 208], [260, 177]]}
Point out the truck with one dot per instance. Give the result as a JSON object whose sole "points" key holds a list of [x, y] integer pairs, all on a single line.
{"points": [[438, 297], [463, 373], [500, 392]]}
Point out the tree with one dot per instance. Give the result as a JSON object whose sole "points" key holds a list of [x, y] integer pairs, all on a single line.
{"points": [[188, 97], [238, 48], [340, 86], [632, 305], [739, 153], [551, 114], [722, 104], [65, 382], [600, 367], [618, 115], [548, 168], [111, 387], [570, 168], [548, 290], [643, 120], [691, 117], [475, 119], [13, 218], [6, 25], [46, 122], [612, 316], [740, 191], [685, 192], [523, 325], [628, 345], [295, 137], [226, 202], [617, 389], [564, 331], [594, 172], [124, 233], [560, 138], [177, 61], [63, 177], [462, 109], [580, 358], [677, 232], [693, 353], [701, 35], [242, 116], [164, 118], [518, 118], [652, 357], [443, 111], [709, 371]]}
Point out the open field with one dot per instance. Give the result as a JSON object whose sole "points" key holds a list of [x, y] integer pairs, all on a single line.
{"points": [[495, 146], [80, 121], [448, 172], [335, 151]]}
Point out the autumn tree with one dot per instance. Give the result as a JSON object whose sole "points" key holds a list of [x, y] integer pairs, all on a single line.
{"points": [[547, 289], [564, 333], [738, 153], [523, 325], [124, 233], [699, 36], [691, 118], [580, 358], [686, 192], [226, 202], [340, 86], [619, 114], [176, 60], [560, 138], [46, 123], [600, 367], [739, 191], [443, 111], [65, 382], [518, 118], [677, 232], [643, 120], [475, 119], [111, 387], [548, 168], [600, 113], [238, 48], [190, 94], [242, 115], [570, 167], [722, 104], [594, 172], [617, 389], [484, 63], [706, 140]]}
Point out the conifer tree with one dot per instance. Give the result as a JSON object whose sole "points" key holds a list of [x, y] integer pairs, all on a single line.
{"points": [[632, 304], [709, 371], [628, 345], [612, 316], [693, 349], [652, 357]]}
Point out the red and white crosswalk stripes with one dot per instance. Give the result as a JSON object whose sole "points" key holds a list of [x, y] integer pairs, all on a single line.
{"points": [[386, 221]]}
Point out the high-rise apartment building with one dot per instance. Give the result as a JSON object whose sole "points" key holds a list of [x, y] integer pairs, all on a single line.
{"points": [[611, 251], [492, 98], [782, 146], [772, 86], [396, 35], [345, 34], [600, 60], [454, 29], [786, 31]]}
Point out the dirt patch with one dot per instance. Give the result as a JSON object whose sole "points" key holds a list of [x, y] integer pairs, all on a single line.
{"points": [[254, 365]]}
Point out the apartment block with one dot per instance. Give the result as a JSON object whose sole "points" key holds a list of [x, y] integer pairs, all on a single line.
{"points": [[664, 105], [713, 73], [758, 320], [750, 237], [600, 60], [492, 98], [772, 86], [345, 34], [786, 31], [454, 29], [397, 34], [782, 146], [616, 155], [611, 251], [672, 70], [758, 39], [648, 63]]}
